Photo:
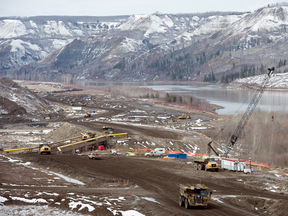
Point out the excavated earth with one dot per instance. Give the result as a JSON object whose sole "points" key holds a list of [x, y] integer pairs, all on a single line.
{"points": [[147, 185]]}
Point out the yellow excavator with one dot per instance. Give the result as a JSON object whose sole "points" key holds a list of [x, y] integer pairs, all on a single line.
{"points": [[87, 135], [44, 148], [184, 116], [48, 116], [87, 115]]}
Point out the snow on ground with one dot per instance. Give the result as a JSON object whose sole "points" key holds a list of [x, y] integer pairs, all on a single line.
{"points": [[276, 81], [66, 178]]}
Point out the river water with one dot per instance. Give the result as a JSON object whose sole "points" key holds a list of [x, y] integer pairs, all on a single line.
{"points": [[233, 100]]}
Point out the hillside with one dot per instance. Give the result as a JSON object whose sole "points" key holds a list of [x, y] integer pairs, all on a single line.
{"points": [[206, 47], [18, 100]]}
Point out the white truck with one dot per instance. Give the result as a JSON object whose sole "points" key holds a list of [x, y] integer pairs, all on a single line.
{"points": [[158, 152]]}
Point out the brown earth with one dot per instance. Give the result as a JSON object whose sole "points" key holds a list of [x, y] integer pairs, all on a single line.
{"points": [[159, 177]]}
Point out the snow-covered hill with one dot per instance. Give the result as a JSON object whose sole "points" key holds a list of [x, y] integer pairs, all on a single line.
{"points": [[277, 81], [145, 47]]}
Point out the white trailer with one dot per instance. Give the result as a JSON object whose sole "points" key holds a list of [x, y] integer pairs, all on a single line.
{"points": [[76, 108], [233, 164]]}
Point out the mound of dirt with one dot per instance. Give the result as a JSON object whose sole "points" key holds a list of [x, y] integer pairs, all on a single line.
{"points": [[9, 107], [65, 131], [259, 205]]}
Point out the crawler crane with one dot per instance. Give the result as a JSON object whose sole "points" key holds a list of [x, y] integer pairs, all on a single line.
{"points": [[245, 118]]}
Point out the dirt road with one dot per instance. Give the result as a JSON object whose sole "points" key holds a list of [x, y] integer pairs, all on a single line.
{"points": [[159, 177]]}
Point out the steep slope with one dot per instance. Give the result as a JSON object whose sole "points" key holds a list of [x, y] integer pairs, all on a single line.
{"points": [[18, 100]]}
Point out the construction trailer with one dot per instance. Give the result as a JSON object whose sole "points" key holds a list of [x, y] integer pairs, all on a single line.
{"points": [[233, 164]]}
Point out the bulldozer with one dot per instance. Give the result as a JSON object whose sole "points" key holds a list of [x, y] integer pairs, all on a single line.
{"points": [[194, 195], [107, 130], [44, 148], [87, 115], [87, 135]]}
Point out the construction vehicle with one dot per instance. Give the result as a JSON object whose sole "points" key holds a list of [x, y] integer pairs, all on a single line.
{"points": [[246, 116], [94, 156], [44, 148], [196, 195], [87, 115], [208, 163], [154, 154], [48, 116], [184, 116], [87, 135], [107, 130], [165, 111]]}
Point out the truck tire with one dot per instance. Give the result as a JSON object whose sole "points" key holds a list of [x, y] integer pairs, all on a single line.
{"points": [[216, 170], [199, 166], [195, 165], [186, 203], [181, 201]]}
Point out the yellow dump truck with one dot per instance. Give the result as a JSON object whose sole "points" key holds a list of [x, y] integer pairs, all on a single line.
{"points": [[87, 135], [45, 148], [107, 130], [194, 195], [206, 164]]}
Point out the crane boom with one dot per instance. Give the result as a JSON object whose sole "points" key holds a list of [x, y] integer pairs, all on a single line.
{"points": [[251, 107]]}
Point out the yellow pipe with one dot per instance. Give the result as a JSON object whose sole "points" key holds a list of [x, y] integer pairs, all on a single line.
{"points": [[10, 150], [120, 134]]}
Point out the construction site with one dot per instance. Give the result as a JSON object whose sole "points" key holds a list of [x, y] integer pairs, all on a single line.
{"points": [[95, 153]]}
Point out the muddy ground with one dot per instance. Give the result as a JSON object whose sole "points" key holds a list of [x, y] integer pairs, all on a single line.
{"points": [[69, 184]]}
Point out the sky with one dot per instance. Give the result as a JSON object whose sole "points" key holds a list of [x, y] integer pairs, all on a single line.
{"points": [[123, 7]]}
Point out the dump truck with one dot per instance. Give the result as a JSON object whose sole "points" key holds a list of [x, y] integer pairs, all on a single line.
{"points": [[194, 195], [87, 135], [44, 148], [206, 164], [107, 130]]}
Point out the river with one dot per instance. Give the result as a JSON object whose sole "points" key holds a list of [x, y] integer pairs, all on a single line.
{"points": [[233, 100]]}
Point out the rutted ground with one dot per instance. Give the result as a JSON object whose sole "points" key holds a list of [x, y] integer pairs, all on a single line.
{"points": [[73, 184]]}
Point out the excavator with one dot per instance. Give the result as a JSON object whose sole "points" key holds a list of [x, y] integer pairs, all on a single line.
{"points": [[246, 116], [87, 135], [87, 115], [184, 116]]}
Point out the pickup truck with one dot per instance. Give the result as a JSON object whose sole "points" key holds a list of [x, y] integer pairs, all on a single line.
{"points": [[94, 156], [154, 154]]}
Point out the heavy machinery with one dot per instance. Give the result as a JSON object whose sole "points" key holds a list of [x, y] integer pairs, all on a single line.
{"points": [[87, 135], [44, 148], [206, 164], [48, 116], [195, 195], [87, 115], [107, 130], [246, 116], [184, 116]]}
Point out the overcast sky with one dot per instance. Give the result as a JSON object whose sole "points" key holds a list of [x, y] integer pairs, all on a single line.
{"points": [[123, 7]]}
